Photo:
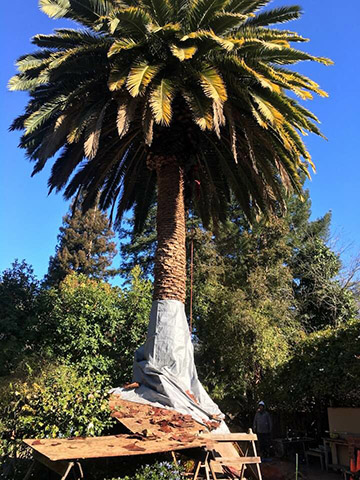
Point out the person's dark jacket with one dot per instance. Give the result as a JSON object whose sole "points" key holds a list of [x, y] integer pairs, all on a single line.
{"points": [[262, 422]]}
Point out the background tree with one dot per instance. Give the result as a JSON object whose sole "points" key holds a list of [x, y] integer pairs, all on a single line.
{"points": [[323, 298], [77, 343], [19, 290], [138, 248], [84, 246]]}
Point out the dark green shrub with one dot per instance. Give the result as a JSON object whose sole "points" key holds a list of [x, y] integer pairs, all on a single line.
{"points": [[19, 291], [95, 326], [53, 401], [324, 370]]}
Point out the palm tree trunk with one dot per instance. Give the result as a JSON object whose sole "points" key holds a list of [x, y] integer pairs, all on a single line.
{"points": [[170, 258], [164, 366]]}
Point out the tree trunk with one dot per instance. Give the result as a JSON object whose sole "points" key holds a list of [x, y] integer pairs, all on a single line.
{"points": [[170, 258], [164, 366]]}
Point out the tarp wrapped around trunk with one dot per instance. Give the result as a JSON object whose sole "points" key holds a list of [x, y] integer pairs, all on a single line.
{"points": [[165, 369]]}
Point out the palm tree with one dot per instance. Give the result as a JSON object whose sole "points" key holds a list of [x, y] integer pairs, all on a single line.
{"points": [[186, 98]]}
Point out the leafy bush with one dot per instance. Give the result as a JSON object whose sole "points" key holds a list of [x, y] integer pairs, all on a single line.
{"points": [[18, 303], [324, 370], [95, 326], [53, 401], [157, 471]]}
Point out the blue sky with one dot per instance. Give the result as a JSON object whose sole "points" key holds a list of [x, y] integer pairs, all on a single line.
{"points": [[29, 219]]}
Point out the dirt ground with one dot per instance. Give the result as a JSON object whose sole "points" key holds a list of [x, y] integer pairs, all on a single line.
{"points": [[283, 470], [317, 474]]}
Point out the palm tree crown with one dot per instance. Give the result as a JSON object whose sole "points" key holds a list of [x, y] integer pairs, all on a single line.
{"points": [[190, 96], [200, 80]]}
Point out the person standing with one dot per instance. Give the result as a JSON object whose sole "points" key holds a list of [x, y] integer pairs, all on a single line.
{"points": [[262, 426]]}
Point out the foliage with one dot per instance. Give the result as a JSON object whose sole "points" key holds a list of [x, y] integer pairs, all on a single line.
{"points": [[261, 289], [156, 471], [322, 300], [84, 246], [95, 326], [18, 305], [320, 297], [204, 83], [138, 249], [51, 401], [324, 370], [247, 303]]}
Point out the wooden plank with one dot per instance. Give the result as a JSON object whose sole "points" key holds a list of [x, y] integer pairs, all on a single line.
{"points": [[111, 446], [239, 460], [230, 437]]}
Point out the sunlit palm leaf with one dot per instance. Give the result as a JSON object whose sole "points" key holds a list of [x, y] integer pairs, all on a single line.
{"points": [[91, 144], [139, 77], [123, 44], [213, 84], [55, 8], [160, 102], [201, 108], [183, 53]]}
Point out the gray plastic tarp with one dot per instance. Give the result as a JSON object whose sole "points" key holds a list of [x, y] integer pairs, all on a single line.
{"points": [[165, 369]]}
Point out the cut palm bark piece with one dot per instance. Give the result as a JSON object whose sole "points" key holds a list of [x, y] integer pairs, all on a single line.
{"points": [[147, 420]]}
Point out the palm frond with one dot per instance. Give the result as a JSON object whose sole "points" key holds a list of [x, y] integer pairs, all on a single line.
{"points": [[91, 144], [288, 56], [87, 12], [183, 53], [201, 12], [160, 101], [64, 165], [201, 108], [125, 115], [23, 82], [160, 10], [123, 44], [245, 6], [140, 76], [65, 38], [212, 84], [117, 77], [134, 21], [37, 119], [224, 21], [55, 8], [34, 61], [276, 15], [209, 37]]}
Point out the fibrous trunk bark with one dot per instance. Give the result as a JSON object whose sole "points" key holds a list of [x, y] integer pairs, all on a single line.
{"points": [[170, 258]]}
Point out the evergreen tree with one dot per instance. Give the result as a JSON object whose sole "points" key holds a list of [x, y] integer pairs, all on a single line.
{"points": [[138, 249], [84, 246], [322, 301]]}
